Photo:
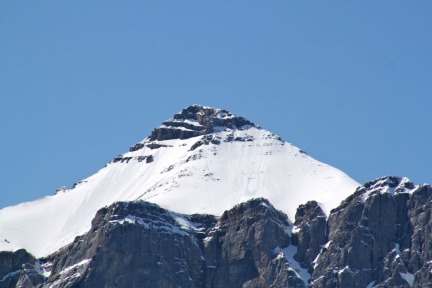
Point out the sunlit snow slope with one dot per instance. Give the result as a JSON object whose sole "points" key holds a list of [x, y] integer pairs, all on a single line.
{"points": [[203, 160]]}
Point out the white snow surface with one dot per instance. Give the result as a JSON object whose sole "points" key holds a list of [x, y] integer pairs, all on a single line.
{"points": [[408, 277], [83, 262], [210, 179], [288, 253]]}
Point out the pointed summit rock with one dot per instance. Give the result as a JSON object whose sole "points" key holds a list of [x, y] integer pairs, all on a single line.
{"points": [[197, 120]]}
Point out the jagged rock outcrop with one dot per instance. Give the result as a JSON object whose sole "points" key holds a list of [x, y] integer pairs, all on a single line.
{"points": [[197, 120], [309, 233], [31, 276], [130, 244], [138, 244], [19, 269], [240, 250], [378, 237]]}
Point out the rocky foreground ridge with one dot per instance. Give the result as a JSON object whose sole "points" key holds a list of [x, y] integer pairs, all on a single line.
{"points": [[378, 237]]}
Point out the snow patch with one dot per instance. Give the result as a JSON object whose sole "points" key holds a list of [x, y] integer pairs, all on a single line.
{"points": [[346, 268], [176, 127], [81, 263], [40, 269], [325, 246], [192, 122], [408, 277], [397, 248], [149, 224], [295, 229], [288, 253], [185, 223], [131, 219]]}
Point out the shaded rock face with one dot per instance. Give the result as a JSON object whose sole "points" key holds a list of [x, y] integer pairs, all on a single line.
{"points": [[378, 237], [310, 226], [239, 251], [195, 121], [138, 244], [134, 244], [19, 269]]}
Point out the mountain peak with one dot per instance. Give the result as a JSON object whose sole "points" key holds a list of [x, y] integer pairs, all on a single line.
{"points": [[197, 120], [202, 160]]}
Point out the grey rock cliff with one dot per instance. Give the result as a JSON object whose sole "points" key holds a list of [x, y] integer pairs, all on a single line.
{"points": [[131, 244], [19, 269], [310, 233], [138, 244], [380, 236], [239, 251]]}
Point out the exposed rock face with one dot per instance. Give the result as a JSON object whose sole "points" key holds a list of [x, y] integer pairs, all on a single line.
{"points": [[239, 251], [134, 244], [138, 244], [310, 227], [18, 269], [30, 276], [381, 236], [195, 121]]}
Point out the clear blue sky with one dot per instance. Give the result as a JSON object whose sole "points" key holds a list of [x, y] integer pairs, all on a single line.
{"points": [[350, 82]]}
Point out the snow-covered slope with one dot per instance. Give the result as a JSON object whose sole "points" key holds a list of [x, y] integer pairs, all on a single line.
{"points": [[203, 160]]}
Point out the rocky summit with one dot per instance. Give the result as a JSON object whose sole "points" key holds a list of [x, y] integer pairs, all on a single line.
{"points": [[198, 120]]}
